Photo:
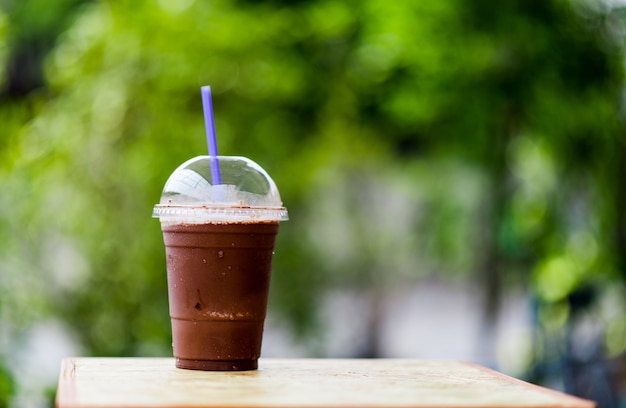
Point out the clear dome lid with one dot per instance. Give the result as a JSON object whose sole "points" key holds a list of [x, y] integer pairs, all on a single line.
{"points": [[220, 189]]}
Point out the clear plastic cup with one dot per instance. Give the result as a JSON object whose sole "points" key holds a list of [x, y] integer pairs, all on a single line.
{"points": [[219, 243]]}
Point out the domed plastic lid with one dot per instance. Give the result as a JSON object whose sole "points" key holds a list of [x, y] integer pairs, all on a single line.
{"points": [[220, 189]]}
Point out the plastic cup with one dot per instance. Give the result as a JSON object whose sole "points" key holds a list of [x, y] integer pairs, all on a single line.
{"points": [[219, 243]]}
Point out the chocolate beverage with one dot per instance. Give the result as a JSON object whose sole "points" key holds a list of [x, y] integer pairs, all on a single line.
{"points": [[218, 282]]}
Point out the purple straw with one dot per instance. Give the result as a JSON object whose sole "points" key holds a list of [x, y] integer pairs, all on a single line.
{"points": [[209, 124]]}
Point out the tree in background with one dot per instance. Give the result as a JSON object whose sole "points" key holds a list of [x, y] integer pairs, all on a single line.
{"points": [[407, 138]]}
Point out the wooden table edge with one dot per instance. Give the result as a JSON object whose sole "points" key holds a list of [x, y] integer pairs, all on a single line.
{"points": [[66, 391], [575, 401]]}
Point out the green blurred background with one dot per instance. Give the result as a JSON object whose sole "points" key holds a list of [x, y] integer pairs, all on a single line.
{"points": [[455, 174]]}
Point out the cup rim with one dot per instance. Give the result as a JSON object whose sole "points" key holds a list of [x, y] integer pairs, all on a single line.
{"points": [[218, 212]]}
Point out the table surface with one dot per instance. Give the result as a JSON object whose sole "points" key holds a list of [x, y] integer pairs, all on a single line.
{"points": [[155, 382]]}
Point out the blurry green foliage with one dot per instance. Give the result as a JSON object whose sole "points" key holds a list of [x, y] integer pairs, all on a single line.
{"points": [[407, 138], [7, 386]]}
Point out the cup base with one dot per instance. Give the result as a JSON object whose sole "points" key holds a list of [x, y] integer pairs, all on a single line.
{"points": [[217, 365]]}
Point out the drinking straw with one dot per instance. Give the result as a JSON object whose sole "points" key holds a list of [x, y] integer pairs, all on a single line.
{"points": [[209, 124]]}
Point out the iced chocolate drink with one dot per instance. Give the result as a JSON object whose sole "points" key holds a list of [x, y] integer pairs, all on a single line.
{"points": [[219, 243]]}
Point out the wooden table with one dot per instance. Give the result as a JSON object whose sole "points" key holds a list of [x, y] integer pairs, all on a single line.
{"points": [[155, 382]]}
